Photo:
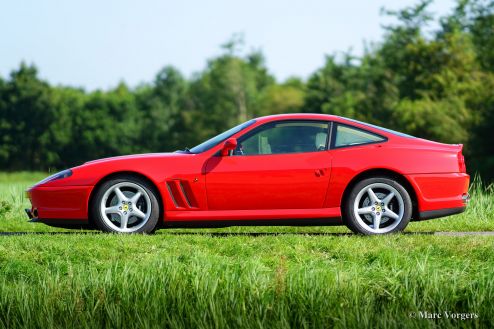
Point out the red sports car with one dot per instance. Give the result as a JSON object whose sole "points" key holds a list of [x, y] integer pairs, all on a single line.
{"points": [[292, 169]]}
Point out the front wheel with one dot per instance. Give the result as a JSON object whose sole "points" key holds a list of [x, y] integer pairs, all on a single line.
{"points": [[126, 204], [377, 206]]}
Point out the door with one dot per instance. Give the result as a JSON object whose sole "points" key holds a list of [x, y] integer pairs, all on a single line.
{"points": [[280, 165]]}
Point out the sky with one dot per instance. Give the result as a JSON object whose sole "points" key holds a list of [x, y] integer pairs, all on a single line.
{"points": [[98, 43]]}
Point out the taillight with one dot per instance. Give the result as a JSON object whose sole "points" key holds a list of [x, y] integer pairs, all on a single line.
{"points": [[461, 161]]}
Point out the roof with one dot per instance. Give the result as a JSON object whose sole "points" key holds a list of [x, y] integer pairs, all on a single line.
{"points": [[329, 117], [288, 116]]}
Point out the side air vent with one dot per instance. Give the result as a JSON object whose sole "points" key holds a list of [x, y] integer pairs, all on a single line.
{"points": [[188, 194], [175, 194], [181, 193]]}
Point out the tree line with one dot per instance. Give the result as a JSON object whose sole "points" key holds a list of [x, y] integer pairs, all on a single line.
{"points": [[435, 84]]}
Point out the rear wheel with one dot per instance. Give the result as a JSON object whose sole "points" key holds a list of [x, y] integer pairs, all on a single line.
{"points": [[126, 204], [378, 205]]}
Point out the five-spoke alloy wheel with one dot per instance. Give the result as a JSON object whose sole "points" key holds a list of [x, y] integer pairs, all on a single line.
{"points": [[126, 204], [378, 205]]}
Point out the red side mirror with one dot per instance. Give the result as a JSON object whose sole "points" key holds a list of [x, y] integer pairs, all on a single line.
{"points": [[230, 145]]}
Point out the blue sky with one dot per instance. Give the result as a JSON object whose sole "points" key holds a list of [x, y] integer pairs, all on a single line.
{"points": [[95, 44]]}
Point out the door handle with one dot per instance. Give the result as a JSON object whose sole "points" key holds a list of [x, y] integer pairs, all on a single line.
{"points": [[319, 172]]}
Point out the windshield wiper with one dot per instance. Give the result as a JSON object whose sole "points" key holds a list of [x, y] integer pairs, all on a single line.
{"points": [[186, 150]]}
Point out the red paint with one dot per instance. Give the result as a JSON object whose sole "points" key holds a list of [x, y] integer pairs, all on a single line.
{"points": [[229, 145], [67, 202], [257, 182], [258, 214], [283, 186], [437, 191]]}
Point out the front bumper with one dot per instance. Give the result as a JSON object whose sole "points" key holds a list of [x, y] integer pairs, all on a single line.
{"points": [[32, 214], [65, 202]]}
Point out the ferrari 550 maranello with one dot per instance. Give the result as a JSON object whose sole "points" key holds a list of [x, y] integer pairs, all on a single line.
{"points": [[292, 169]]}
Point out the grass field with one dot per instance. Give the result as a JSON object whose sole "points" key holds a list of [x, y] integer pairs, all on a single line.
{"points": [[232, 277]]}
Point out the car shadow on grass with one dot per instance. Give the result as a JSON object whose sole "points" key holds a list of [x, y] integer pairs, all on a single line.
{"points": [[214, 234]]}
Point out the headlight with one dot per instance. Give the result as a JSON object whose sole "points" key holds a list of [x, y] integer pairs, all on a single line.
{"points": [[60, 175]]}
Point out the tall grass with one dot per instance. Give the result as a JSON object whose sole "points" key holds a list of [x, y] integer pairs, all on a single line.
{"points": [[253, 282]]}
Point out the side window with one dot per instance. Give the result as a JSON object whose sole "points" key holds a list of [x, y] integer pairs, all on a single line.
{"points": [[285, 137], [348, 136]]}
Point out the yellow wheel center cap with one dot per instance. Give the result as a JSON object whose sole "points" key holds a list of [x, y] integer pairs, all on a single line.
{"points": [[125, 207], [378, 208]]}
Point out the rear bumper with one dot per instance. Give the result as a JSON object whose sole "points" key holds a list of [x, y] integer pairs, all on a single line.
{"points": [[440, 213], [440, 193]]}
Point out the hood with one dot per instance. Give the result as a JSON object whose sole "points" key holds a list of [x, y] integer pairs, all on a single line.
{"points": [[140, 156]]}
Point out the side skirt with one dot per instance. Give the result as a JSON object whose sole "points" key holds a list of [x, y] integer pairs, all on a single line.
{"points": [[259, 214], [336, 221], [258, 217]]}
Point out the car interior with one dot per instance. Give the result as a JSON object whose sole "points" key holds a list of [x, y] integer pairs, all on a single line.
{"points": [[285, 138]]}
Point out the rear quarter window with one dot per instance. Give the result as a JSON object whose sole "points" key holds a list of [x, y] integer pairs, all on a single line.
{"points": [[349, 136]]}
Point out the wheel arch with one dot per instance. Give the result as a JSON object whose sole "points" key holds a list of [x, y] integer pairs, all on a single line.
{"points": [[388, 173], [127, 173]]}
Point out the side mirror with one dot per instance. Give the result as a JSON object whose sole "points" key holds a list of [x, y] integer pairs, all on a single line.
{"points": [[230, 145]]}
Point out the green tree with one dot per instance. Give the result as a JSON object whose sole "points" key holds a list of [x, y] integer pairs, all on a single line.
{"points": [[226, 93], [27, 122], [161, 106], [287, 97], [106, 125], [481, 28]]}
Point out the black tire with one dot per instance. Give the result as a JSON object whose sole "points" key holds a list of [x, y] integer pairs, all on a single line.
{"points": [[356, 226], [150, 225]]}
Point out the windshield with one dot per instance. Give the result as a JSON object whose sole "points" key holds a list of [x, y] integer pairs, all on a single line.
{"points": [[381, 128], [220, 138]]}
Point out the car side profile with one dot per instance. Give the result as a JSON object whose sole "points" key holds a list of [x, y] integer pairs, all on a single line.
{"points": [[289, 169]]}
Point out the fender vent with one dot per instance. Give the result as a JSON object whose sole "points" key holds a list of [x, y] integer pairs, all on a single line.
{"points": [[181, 193], [188, 194]]}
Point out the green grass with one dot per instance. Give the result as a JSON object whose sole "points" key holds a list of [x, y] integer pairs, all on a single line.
{"points": [[287, 277]]}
